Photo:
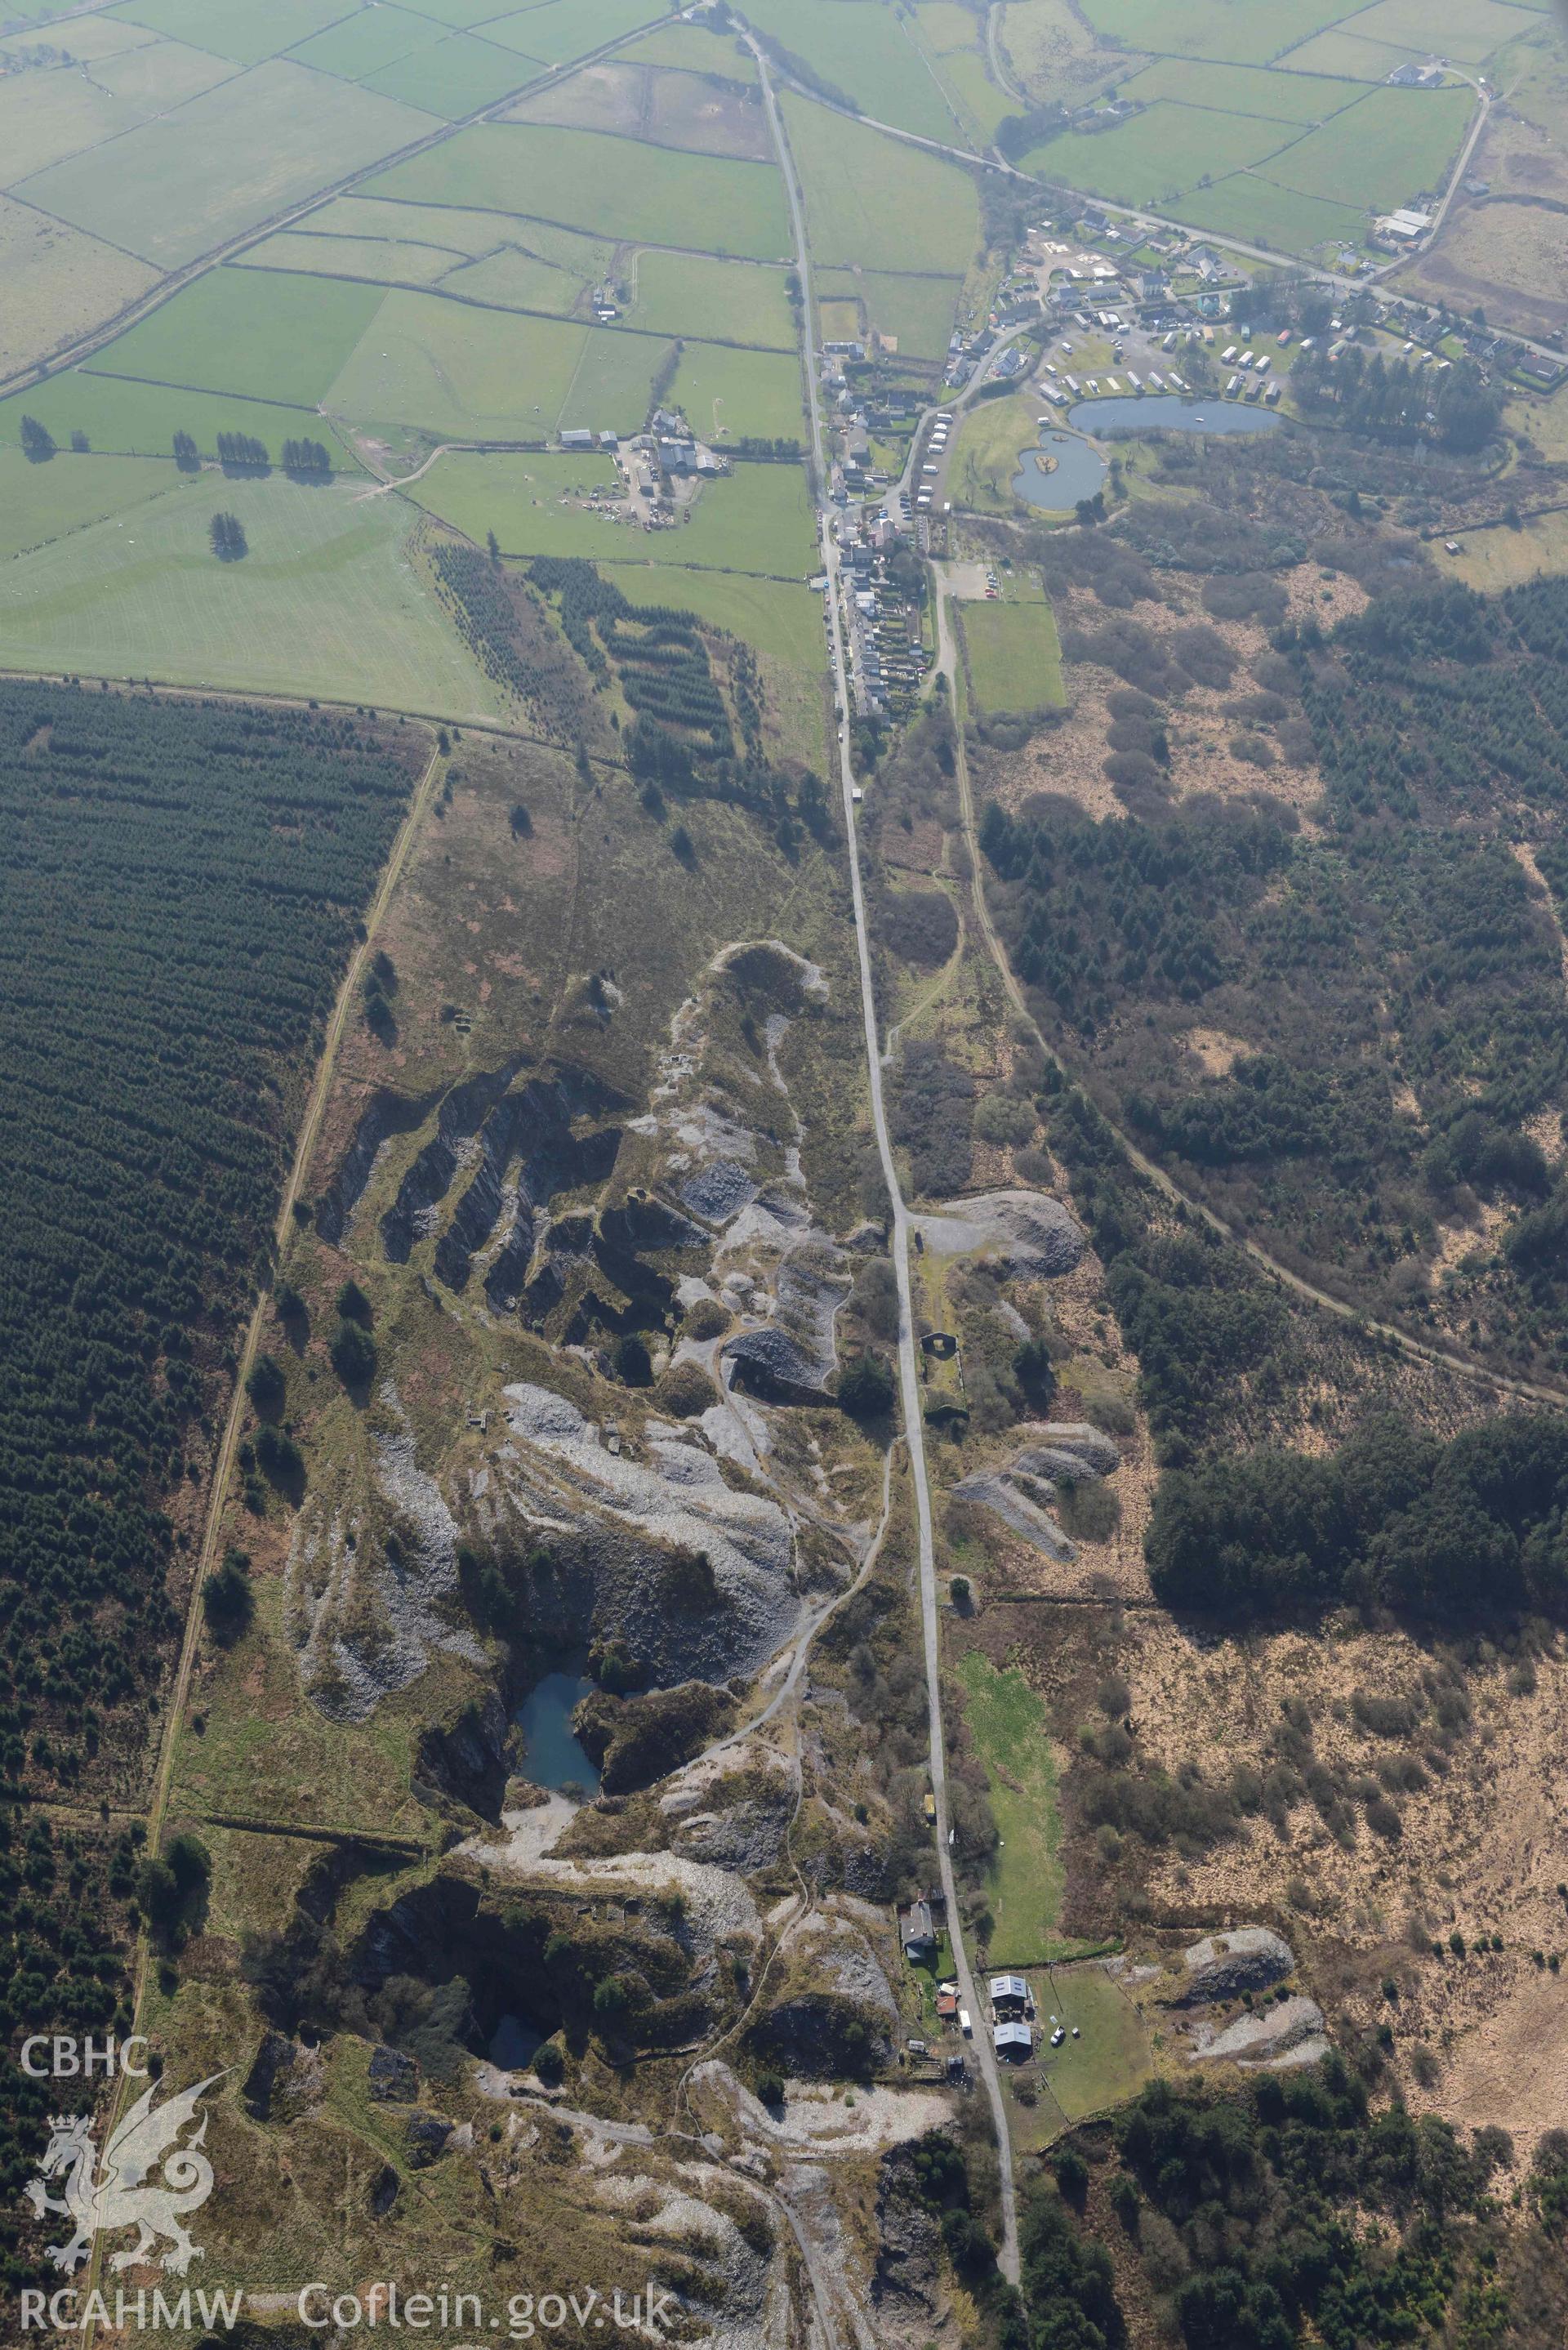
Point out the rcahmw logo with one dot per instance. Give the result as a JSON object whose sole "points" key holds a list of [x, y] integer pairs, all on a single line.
{"points": [[148, 2180]]}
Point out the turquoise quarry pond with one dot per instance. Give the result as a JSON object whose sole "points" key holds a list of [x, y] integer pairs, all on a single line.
{"points": [[552, 1756]]}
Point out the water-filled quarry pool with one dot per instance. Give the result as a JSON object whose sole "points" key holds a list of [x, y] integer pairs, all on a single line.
{"points": [[552, 1754]]}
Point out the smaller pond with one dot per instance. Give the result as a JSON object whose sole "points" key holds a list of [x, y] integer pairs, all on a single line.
{"points": [[513, 2044], [1062, 470], [1164, 412], [552, 1756]]}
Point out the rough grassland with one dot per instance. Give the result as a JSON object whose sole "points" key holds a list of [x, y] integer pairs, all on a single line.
{"points": [[330, 600], [52, 113], [236, 30], [656, 103], [1007, 1722], [462, 373], [1396, 144], [276, 336], [512, 280], [56, 283], [864, 52], [981, 106], [730, 395], [1014, 656], [1248, 205], [612, 186], [141, 419], [873, 201], [723, 301], [173, 189], [455, 78], [39, 503]]}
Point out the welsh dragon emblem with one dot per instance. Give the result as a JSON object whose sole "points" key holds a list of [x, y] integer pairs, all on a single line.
{"points": [[100, 2203]]}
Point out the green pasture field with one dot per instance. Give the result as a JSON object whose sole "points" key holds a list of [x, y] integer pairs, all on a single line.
{"points": [[329, 601], [1470, 30], [1337, 53], [465, 374], [141, 419], [1248, 205], [614, 186], [775, 615], [365, 40], [864, 52], [731, 395], [691, 50], [758, 520], [172, 189], [1272, 95], [520, 499], [52, 113], [58, 283], [1007, 1722], [462, 16], [1014, 656], [976, 99], [1244, 32], [613, 382], [570, 28], [276, 336], [455, 78], [716, 301], [40, 503], [517, 281], [917, 312], [460, 373], [1105, 2068], [1156, 156], [1394, 144], [239, 30], [370, 260], [93, 37], [876, 202]]}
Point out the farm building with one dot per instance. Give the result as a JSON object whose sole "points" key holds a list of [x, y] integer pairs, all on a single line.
{"points": [[1008, 1995], [917, 1931], [1013, 2042]]}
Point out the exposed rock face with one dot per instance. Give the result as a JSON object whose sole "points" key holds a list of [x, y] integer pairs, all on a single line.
{"points": [[1061, 1453], [467, 1758], [427, 1182], [1033, 1234], [384, 1116], [286, 2080], [771, 1366], [394, 2078], [426, 2135], [1223, 1966], [1289, 2031], [906, 2280], [619, 1518]]}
